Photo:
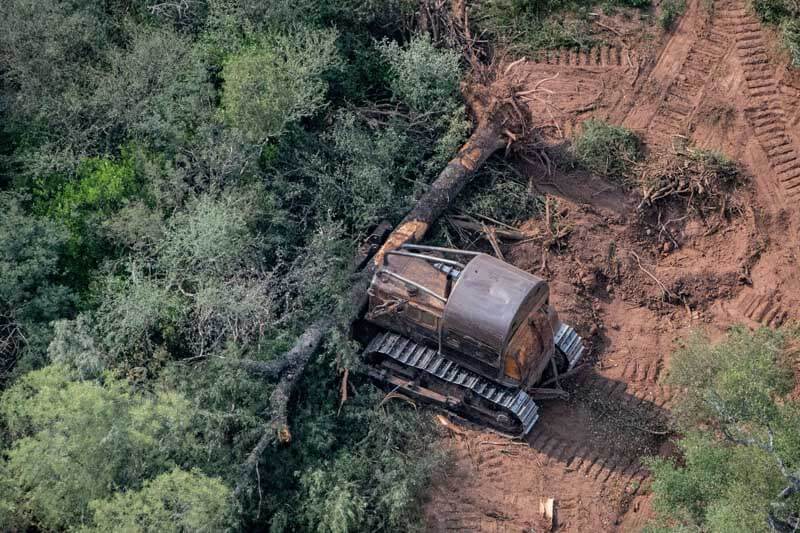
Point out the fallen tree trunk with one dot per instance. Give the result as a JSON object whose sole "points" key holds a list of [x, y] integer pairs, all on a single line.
{"points": [[484, 141]]}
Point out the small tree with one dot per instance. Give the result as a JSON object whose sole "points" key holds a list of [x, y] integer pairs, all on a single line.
{"points": [[32, 292], [422, 76], [741, 449], [277, 81], [78, 441], [177, 501]]}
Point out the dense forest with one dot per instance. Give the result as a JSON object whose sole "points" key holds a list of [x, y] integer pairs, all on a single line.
{"points": [[183, 186]]}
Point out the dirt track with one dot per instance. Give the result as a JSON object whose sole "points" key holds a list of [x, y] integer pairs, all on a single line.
{"points": [[719, 81]]}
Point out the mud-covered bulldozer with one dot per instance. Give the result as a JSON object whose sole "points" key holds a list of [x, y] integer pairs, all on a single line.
{"points": [[467, 332]]}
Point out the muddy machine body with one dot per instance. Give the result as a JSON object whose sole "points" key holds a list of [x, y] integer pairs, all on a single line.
{"points": [[468, 332]]}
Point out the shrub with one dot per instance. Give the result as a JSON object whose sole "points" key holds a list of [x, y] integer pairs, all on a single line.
{"points": [[277, 81], [77, 441], [606, 149], [32, 289], [82, 202], [786, 15], [741, 435], [422, 76], [790, 31], [172, 502], [670, 11]]}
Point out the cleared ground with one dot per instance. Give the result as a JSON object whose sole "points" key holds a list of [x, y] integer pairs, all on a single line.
{"points": [[719, 81]]}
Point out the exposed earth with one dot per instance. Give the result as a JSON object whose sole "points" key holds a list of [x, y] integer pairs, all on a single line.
{"points": [[717, 81]]}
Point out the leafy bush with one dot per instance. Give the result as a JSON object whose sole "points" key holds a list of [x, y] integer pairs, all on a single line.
{"points": [[741, 435], [172, 502], [101, 185], [423, 77], [606, 149], [775, 11], [530, 25], [77, 441], [375, 484], [277, 81], [670, 11], [790, 31], [786, 15], [32, 289]]}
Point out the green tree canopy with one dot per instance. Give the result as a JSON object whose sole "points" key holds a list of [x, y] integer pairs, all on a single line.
{"points": [[740, 468], [277, 81]]}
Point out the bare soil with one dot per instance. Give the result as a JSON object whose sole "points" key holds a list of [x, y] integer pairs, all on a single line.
{"points": [[634, 284]]}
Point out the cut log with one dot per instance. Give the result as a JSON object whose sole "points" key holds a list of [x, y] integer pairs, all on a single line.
{"points": [[485, 140]]}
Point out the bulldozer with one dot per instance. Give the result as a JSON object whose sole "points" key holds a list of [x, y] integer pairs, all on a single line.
{"points": [[467, 332]]}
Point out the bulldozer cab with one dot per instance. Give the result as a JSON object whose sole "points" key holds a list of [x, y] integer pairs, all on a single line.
{"points": [[482, 312]]}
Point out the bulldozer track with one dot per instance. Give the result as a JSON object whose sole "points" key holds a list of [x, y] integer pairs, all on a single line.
{"points": [[685, 92], [766, 115], [514, 402], [598, 56], [638, 370], [762, 308], [641, 392]]}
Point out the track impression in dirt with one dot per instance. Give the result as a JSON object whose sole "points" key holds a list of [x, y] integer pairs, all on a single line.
{"points": [[716, 82]]}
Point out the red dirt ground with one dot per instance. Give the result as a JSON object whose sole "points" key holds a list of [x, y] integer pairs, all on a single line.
{"points": [[718, 81]]}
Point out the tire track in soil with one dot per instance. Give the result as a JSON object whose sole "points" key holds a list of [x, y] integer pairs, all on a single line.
{"points": [[764, 309], [598, 56], [478, 507], [766, 115], [687, 88]]}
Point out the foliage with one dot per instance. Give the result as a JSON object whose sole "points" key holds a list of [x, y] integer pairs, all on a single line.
{"points": [[424, 78], [277, 81], [76, 441], [374, 482], [790, 30], [670, 11], [741, 436], [32, 289], [530, 25], [98, 189], [786, 15], [500, 197], [199, 173], [172, 502], [607, 149]]}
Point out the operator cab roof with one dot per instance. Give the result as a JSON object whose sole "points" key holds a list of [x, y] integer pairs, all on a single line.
{"points": [[489, 300]]}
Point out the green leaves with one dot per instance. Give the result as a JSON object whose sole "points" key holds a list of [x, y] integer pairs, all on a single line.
{"points": [[277, 81], [177, 501], [77, 441], [737, 380], [608, 150], [423, 77], [740, 430]]}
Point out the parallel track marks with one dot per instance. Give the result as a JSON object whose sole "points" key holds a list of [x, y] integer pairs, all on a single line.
{"points": [[599, 56], [762, 308], [684, 93], [766, 115]]}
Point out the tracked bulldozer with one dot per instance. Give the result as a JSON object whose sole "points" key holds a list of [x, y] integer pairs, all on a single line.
{"points": [[467, 332]]}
